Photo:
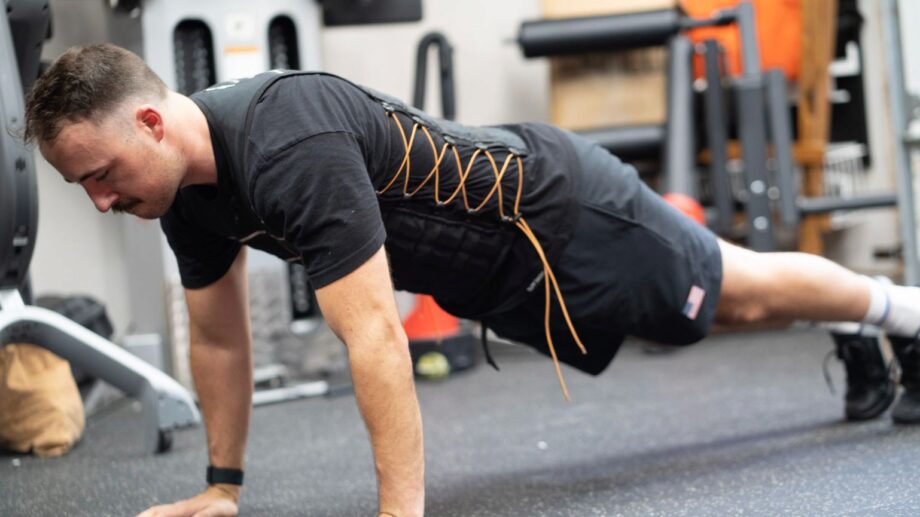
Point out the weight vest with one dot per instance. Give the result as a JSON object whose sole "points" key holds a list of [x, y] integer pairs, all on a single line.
{"points": [[445, 252], [441, 248]]}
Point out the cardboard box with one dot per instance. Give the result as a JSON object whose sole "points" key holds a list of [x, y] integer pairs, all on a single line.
{"points": [[573, 8], [611, 88]]}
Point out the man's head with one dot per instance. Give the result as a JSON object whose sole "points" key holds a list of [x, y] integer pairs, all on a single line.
{"points": [[97, 115]]}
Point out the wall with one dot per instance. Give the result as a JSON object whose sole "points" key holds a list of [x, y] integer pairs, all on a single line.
{"points": [[872, 229], [78, 249], [910, 13], [494, 83]]}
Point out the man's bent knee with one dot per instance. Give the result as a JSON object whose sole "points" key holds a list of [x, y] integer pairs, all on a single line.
{"points": [[742, 312], [747, 284]]}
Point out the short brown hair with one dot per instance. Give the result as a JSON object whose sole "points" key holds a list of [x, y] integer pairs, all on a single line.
{"points": [[85, 83]]}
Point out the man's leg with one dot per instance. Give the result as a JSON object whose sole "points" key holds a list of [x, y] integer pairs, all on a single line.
{"points": [[769, 289]]}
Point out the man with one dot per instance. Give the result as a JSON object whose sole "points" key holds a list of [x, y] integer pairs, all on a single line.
{"points": [[542, 236]]}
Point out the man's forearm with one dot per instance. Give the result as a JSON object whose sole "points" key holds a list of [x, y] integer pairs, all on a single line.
{"points": [[223, 379], [385, 391]]}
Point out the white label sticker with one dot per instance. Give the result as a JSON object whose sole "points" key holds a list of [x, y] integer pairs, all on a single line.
{"points": [[240, 27], [243, 61]]}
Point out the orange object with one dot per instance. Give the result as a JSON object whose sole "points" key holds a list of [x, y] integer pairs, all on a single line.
{"points": [[687, 205], [428, 321], [779, 34]]}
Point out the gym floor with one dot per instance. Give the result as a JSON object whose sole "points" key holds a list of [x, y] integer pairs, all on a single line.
{"points": [[736, 425]]}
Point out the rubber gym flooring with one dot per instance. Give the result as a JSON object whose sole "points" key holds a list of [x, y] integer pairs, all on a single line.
{"points": [[739, 425]]}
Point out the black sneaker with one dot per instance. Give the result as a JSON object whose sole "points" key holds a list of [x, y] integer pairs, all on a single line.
{"points": [[907, 350], [870, 388]]}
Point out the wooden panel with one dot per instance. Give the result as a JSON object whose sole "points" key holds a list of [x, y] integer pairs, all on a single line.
{"points": [[819, 24], [608, 88]]}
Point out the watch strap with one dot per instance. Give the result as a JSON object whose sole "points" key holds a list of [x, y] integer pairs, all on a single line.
{"points": [[217, 475]]}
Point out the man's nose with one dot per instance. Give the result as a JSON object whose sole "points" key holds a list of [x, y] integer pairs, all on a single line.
{"points": [[102, 197]]}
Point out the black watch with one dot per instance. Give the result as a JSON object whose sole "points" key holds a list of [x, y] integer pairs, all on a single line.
{"points": [[217, 475]]}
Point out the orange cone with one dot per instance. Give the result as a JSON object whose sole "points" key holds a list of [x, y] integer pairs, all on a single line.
{"points": [[429, 322], [437, 343]]}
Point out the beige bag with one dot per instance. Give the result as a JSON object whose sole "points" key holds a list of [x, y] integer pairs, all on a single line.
{"points": [[40, 406]]}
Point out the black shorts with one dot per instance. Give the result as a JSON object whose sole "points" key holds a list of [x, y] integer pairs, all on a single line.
{"points": [[635, 266]]}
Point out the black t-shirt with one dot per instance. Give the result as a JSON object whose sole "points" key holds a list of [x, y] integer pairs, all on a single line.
{"points": [[303, 160]]}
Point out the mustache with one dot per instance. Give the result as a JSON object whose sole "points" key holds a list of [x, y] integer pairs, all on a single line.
{"points": [[124, 206]]}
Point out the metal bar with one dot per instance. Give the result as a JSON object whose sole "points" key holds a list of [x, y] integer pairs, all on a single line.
{"points": [[897, 100], [18, 187], [10, 299], [629, 142], [598, 33], [781, 136], [448, 97], [749, 98], [679, 153], [719, 18], [823, 205], [717, 137], [28, 24], [284, 394], [752, 130], [750, 50], [445, 73]]}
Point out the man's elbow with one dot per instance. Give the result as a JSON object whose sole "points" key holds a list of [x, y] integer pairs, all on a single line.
{"points": [[380, 341]]}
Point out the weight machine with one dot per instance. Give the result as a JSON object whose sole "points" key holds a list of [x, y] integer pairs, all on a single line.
{"points": [[760, 114], [165, 405]]}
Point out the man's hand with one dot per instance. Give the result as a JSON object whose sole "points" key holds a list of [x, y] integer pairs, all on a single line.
{"points": [[216, 501]]}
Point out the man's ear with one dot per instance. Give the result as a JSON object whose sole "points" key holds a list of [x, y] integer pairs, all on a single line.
{"points": [[149, 118]]}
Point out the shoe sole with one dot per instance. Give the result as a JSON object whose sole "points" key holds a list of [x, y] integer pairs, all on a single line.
{"points": [[901, 420], [879, 408], [905, 421]]}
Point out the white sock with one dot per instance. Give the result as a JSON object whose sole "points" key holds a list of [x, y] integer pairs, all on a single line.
{"points": [[895, 308], [879, 302]]}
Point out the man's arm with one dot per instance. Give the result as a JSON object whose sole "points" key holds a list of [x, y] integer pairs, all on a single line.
{"points": [[361, 309], [221, 361]]}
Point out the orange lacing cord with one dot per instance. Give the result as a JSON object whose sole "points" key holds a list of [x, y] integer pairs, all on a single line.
{"points": [[517, 218]]}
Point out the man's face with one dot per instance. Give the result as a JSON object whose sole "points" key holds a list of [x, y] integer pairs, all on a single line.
{"points": [[123, 162]]}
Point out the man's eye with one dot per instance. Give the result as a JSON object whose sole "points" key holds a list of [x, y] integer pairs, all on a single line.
{"points": [[103, 176]]}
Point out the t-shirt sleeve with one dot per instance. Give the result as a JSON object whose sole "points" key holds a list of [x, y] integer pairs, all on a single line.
{"points": [[203, 257], [316, 193]]}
